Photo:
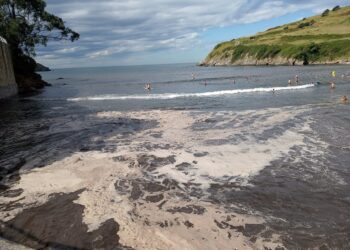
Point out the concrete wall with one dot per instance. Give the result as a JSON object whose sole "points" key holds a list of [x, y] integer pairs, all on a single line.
{"points": [[8, 86]]}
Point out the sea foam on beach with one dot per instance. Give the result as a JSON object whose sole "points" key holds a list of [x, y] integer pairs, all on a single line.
{"points": [[169, 168]]}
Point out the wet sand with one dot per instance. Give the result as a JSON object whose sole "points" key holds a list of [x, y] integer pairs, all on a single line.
{"points": [[181, 180]]}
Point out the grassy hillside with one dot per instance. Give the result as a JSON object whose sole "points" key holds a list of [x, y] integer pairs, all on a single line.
{"points": [[318, 39]]}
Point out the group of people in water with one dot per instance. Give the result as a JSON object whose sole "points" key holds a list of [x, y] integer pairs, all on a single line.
{"points": [[344, 99], [296, 81]]}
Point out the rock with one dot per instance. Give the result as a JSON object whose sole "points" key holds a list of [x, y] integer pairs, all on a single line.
{"points": [[30, 82]]}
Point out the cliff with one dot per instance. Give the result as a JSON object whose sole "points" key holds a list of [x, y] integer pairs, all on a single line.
{"points": [[323, 39], [8, 86]]}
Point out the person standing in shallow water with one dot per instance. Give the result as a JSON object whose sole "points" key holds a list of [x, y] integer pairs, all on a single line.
{"points": [[148, 87], [296, 79]]}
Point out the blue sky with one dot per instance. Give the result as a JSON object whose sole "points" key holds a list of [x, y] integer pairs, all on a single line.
{"points": [[135, 32]]}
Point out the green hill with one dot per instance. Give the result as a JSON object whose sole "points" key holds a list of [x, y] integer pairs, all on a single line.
{"points": [[323, 39]]}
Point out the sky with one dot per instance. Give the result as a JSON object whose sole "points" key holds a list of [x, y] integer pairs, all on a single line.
{"points": [[138, 32]]}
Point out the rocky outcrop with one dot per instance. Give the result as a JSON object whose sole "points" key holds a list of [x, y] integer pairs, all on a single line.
{"points": [[248, 60], [41, 68], [8, 86]]}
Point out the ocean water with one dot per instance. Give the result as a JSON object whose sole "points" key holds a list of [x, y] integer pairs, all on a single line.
{"points": [[173, 86], [210, 158]]}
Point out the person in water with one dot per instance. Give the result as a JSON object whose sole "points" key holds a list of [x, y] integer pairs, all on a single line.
{"points": [[148, 87], [334, 74], [296, 79], [332, 85], [344, 99], [289, 82]]}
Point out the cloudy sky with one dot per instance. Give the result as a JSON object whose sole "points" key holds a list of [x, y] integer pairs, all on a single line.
{"points": [[134, 32]]}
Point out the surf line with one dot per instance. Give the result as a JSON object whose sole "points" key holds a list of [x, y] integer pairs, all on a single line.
{"points": [[184, 95]]}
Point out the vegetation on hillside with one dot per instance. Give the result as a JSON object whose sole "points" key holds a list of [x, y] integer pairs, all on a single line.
{"points": [[25, 24], [316, 39]]}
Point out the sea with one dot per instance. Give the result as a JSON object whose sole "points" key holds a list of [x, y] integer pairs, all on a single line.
{"points": [[187, 86], [218, 142]]}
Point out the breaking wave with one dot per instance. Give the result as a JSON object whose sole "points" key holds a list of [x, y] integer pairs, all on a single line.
{"points": [[184, 95]]}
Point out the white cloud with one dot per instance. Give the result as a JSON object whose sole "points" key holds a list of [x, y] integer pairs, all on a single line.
{"points": [[67, 50], [110, 27], [98, 54]]}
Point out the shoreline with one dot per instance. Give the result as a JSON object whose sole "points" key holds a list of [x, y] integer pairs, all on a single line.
{"points": [[271, 64]]}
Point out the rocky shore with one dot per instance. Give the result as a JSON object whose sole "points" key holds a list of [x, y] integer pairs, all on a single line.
{"points": [[276, 61]]}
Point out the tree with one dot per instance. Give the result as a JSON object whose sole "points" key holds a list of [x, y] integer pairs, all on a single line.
{"points": [[25, 24]]}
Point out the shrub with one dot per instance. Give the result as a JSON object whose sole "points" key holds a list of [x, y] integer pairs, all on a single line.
{"points": [[306, 24], [325, 13], [286, 28], [336, 8], [309, 53]]}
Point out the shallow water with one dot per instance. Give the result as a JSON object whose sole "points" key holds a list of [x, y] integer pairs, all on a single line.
{"points": [[226, 163]]}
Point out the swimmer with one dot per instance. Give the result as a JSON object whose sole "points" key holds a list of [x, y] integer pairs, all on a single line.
{"points": [[234, 81], [273, 91], [289, 82], [332, 85], [344, 99]]}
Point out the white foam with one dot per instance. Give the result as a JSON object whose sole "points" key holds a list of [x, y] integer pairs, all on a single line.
{"points": [[166, 96]]}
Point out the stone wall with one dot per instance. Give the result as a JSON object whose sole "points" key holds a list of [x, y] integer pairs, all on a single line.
{"points": [[8, 86]]}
